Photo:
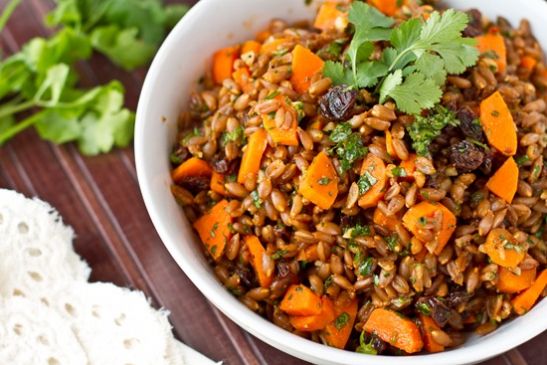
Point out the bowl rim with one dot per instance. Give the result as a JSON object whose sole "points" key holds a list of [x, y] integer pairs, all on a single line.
{"points": [[252, 322]]}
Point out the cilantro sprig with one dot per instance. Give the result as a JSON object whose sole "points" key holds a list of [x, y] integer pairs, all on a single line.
{"points": [[41, 80], [412, 69]]}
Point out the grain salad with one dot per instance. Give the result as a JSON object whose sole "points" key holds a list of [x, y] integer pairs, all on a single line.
{"points": [[373, 179]]}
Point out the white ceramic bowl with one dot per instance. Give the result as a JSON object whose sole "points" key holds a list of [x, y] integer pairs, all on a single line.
{"points": [[182, 59]]}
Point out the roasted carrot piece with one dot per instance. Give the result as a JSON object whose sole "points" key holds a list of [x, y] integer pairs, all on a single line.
{"points": [[305, 64], [264, 275], [528, 62], [494, 42], [505, 180], [263, 35], [242, 77], [416, 216], [526, 300], [217, 183], [280, 135], [388, 7], [337, 332], [300, 300], [329, 16], [308, 254], [250, 162], [409, 165], [223, 63], [383, 220], [498, 125], [315, 322], [395, 329], [320, 182], [375, 170], [509, 282], [251, 46], [389, 144], [428, 326], [193, 167], [503, 249], [214, 229]]}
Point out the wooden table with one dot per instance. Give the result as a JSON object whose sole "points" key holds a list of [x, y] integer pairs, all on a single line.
{"points": [[100, 198]]}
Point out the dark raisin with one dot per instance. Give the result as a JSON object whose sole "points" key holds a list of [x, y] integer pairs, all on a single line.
{"points": [[246, 276], [466, 156], [469, 124], [195, 183], [377, 343], [283, 269], [223, 166], [474, 27], [439, 311], [337, 104], [456, 298], [486, 167]]}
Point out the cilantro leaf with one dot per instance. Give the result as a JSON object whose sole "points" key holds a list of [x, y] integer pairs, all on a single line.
{"points": [[390, 83], [416, 93], [337, 73], [370, 24], [368, 73], [122, 46], [430, 66]]}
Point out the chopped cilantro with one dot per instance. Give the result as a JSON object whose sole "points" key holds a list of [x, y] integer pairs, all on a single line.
{"points": [[495, 113], [366, 182], [328, 281], [392, 241], [349, 146], [279, 254], [365, 267], [213, 249], [341, 321], [256, 199], [324, 180], [237, 135], [423, 308], [425, 129], [175, 159], [398, 171], [365, 347], [213, 231], [231, 178], [521, 160], [360, 230]]}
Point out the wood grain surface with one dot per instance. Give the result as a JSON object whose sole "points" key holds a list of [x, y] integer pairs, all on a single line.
{"points": [[100, 198]]}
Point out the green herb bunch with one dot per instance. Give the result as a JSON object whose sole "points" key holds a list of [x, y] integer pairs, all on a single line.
{"points": [[39, 82], [413, 66]]}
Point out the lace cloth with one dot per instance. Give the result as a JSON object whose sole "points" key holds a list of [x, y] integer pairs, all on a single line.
{"points": [[51, 315]]}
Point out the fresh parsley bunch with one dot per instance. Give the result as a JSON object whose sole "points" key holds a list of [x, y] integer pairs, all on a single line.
{"points": [[414, 65], [40, 81]]}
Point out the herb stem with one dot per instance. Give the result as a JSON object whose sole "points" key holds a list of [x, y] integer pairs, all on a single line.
{"points": [[17, 128], [11, 109], [6, 13]]}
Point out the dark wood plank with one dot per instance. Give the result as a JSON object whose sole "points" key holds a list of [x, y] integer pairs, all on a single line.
{"points": [[99, 197]]}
